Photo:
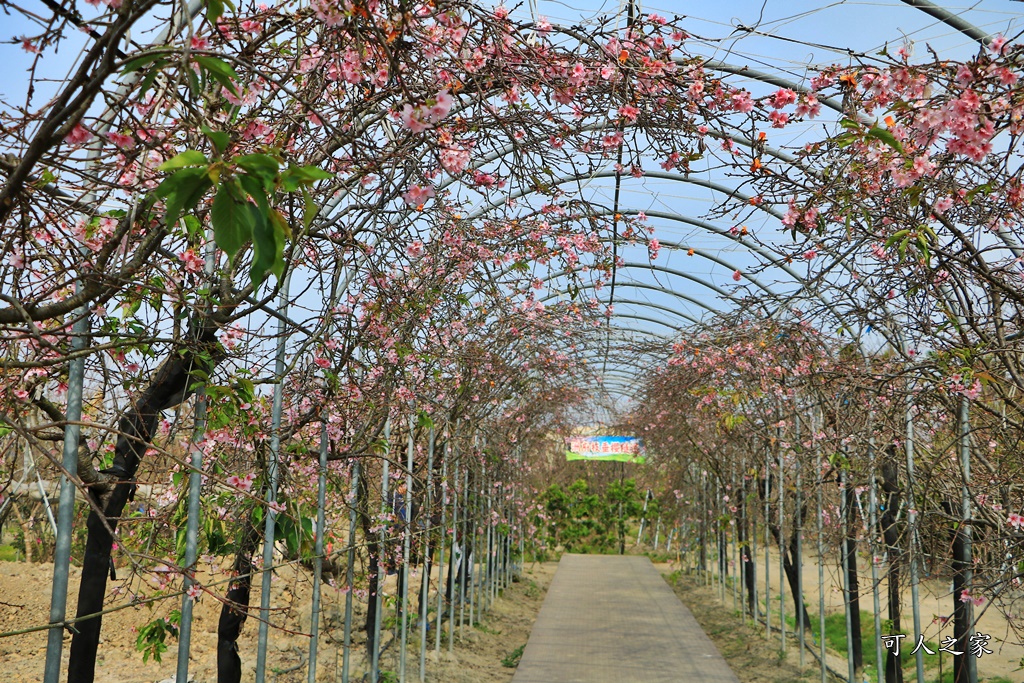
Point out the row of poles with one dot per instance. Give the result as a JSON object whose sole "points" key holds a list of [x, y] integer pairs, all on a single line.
{"points": [[477, 519], [716, 528]]}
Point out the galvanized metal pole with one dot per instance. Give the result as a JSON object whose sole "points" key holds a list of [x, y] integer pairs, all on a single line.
{"points": [[821, 560], [406, 551], [489, 593], [471, 522], [875, 554], [844, 553], [456, 568], [318, 557], [381, 565], [66, 504], [441, 586], [782, 556], [915, 600], [767, 548], [798, 561], [964, 438], [741, 530], [272, 480], [737, 568], [195, 481], [350, 576], [425, 579]]}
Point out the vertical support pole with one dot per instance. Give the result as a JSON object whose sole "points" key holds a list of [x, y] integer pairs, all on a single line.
{"points": [[798, 561], [821, 561], [464, 570], [798, 531], [455, 542], [195, 482], [782, 555], [844, 551], [403, 642], [318, 557], [875, 554], [272, 477], [350, 576], [381, 567], [485, 505], [737, 568], [444, 529], [66, 505], [915, 600], [428, 484], [767, 548], [964, 439]]}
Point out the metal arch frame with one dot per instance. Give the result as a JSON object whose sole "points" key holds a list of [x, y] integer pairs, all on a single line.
{"points": [[651, 266], [773, 259], [637, 316], [656, 288], [645, 304]]}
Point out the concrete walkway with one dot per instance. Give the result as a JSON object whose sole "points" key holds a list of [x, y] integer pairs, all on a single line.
{"points": [[613, 619]]}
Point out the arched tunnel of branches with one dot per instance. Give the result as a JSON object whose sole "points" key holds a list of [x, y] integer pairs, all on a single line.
{"points": [[326, 286]]}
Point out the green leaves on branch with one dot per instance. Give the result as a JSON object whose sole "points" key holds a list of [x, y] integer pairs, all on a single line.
{"points": [[855, 131], [918, 239], [151, 641], [241, 211]]}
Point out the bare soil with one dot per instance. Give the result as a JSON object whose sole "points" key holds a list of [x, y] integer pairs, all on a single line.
{"points": [[476, 657]]}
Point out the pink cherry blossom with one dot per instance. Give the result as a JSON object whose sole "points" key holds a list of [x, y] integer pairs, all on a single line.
{"points": [[417, 195], [193, 262], [79, 135]]}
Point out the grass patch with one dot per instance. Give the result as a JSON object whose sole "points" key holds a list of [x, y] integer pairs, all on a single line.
{"points": [[511, 660], [8, 553]]}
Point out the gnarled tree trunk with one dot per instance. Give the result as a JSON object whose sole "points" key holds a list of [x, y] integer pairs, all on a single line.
{"points": [[171, 384]]}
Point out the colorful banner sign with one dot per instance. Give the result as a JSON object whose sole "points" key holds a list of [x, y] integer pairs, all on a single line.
{"points": [[614, 448]]}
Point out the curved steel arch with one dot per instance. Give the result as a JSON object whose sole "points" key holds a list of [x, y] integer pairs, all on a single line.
{"points": [[654, 288], [646, 304], [650, 266]]}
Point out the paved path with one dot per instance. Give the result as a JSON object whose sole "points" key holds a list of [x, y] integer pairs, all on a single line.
{"points": [[612, 619]]}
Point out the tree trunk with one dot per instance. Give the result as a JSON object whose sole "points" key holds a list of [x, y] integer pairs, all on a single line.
{"points": [[170, 386], [961, 611], [788, 566], [890, 533], [235, 609], [851, 576], [373, 561]]}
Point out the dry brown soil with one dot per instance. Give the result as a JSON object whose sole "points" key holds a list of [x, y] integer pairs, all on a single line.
{"points": [[476, 657]]}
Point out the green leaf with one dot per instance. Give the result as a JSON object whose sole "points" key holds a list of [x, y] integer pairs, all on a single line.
{"points": [[886, 137], [148, 80], [309, 209], [219, 139], [190, 157], [214, 10], [139, 62], [220, 71], [182, 191], [294, 176], [263, 166], [282, 231], [984, 188], [267, 247], [232, 220]]}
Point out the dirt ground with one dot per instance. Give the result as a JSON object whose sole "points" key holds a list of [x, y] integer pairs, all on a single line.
{"points": [[750, 648], [476, 657]]}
